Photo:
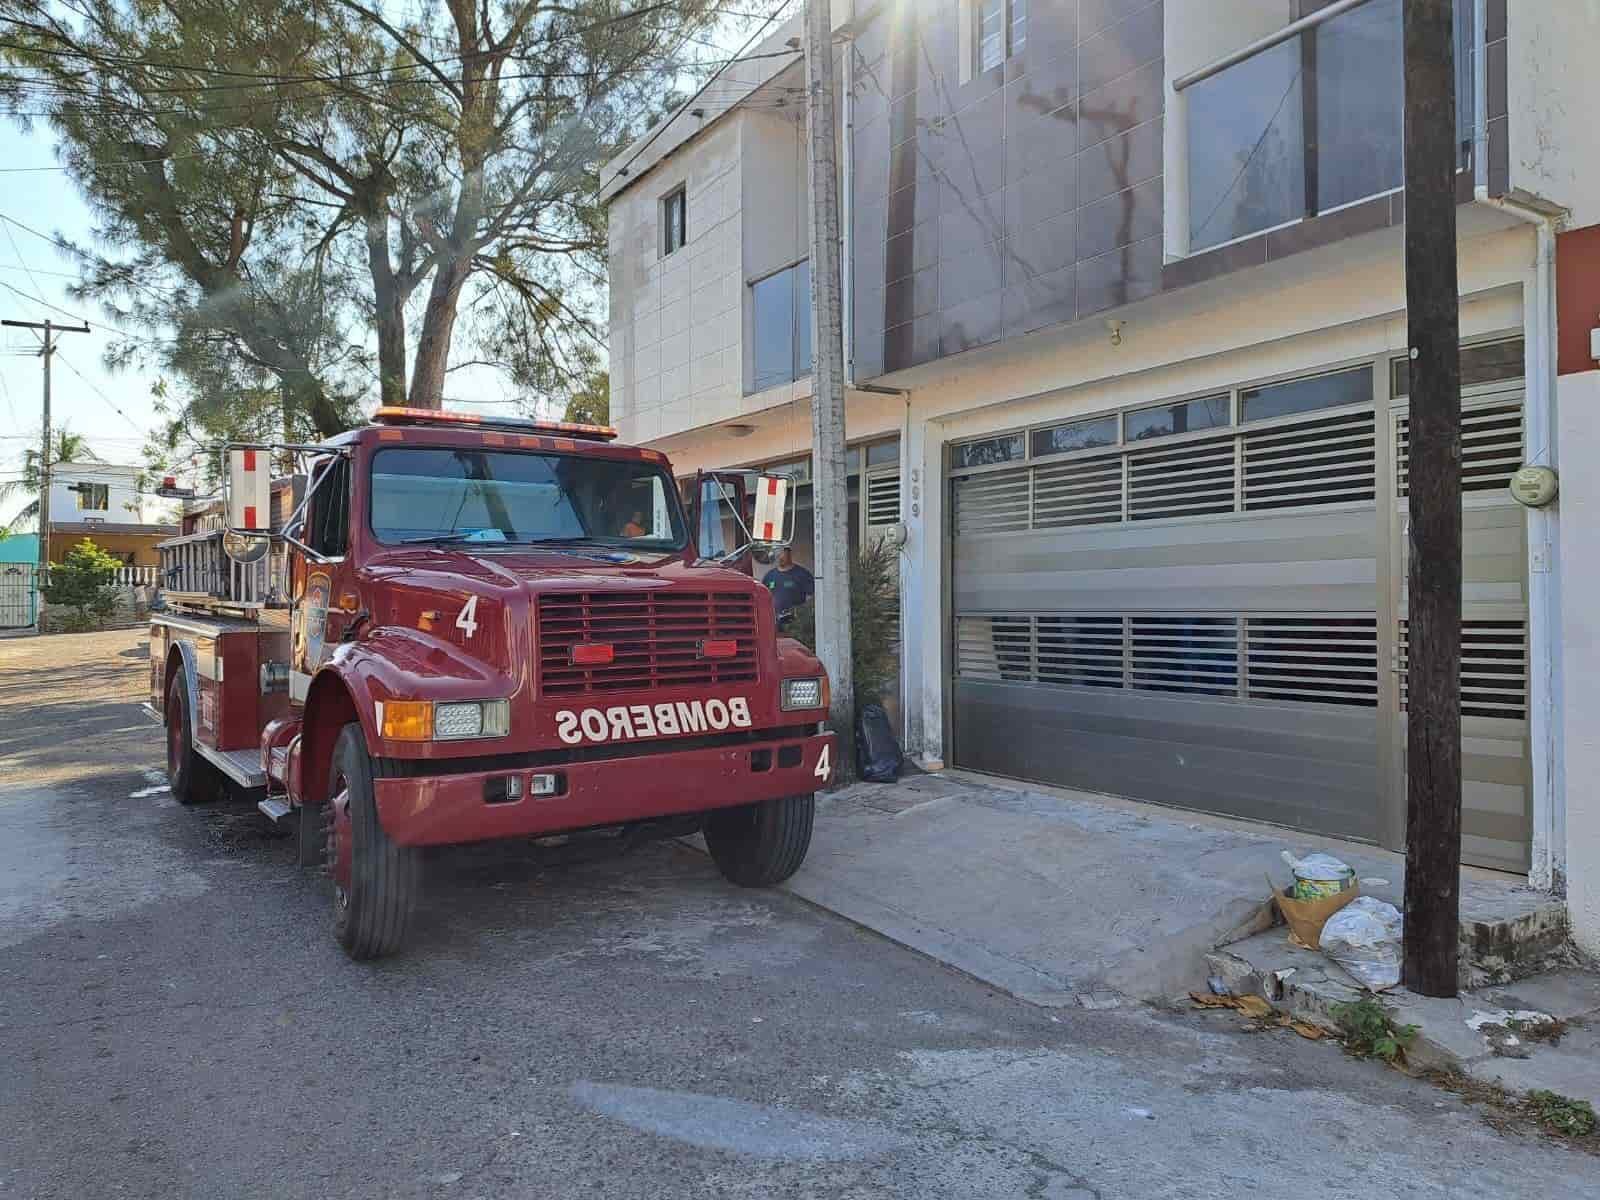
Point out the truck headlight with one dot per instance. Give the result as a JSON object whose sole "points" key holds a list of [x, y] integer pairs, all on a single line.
{"points": [[423, 720], [471, 719], [802, 693]]}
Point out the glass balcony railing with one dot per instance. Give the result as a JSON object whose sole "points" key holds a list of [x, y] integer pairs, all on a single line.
{"points": [[1308, 125]]}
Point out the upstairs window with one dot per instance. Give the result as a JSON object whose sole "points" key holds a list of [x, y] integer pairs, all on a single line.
{"points": [[780, 313], [93, 497], [674, 221], [1002, 30]]}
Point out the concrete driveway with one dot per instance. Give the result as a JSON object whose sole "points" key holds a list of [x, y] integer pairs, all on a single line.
{"points": [[176, 1021]]}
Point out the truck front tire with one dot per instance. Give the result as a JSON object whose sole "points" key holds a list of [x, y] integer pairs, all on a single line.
{"points": [[374, 878], [759, 845], [191, 778]]}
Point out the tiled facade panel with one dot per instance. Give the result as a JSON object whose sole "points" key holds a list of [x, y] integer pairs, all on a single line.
{"points": [[1029, 195]]}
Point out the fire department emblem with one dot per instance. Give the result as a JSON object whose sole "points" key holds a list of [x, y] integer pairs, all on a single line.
{"points": [[314, 620]]}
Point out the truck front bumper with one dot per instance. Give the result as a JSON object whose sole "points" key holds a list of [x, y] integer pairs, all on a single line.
{"points": [[440, 809]]}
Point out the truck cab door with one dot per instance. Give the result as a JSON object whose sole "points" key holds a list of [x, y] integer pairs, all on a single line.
{"points": [[323, 591], [719, 504]]}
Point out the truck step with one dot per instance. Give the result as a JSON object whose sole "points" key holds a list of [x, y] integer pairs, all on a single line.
{"points": [[275, 808]]}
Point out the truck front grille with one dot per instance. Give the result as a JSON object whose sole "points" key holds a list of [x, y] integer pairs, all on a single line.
{"points": [[656, 639]]}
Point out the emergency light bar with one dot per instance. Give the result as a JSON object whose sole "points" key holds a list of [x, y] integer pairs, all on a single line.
{"points": [[438, 416]]}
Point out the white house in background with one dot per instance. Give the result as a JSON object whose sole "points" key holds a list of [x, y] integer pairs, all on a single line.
{"points": [[102, 502], [95, 494], [1131, 274]]}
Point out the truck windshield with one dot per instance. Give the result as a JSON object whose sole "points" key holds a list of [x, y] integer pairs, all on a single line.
{"points": [[422, 494]]}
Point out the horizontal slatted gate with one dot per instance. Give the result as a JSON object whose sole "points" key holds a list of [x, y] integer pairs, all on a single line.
{"points": [[1496, 773], [1192, 622], [1200, 620]]}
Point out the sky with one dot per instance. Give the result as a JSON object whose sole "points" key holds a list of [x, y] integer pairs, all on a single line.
{"points": [[114, 411]]}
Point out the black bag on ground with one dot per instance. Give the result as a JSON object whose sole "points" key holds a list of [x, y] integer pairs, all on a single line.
{"points": [[878, 754]]}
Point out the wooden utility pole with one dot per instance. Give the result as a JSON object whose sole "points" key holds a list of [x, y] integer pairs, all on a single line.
{"points": [[49, 348], [829, 498], [1433, 679]]}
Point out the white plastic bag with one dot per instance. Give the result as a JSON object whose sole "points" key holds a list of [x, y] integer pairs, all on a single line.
{"points": [[1363, 937]]}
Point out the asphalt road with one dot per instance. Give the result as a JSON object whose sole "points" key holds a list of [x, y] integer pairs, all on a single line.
{"points": [[176, 1021]]}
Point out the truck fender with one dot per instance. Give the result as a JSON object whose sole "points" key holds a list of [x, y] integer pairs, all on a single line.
{"points": [[182, 658], [350, 684], [331, 704], [795, 659]]}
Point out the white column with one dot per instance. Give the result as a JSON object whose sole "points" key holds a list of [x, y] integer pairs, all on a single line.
{"points": [[1579, 422], [922, 617], [1544, 573]]}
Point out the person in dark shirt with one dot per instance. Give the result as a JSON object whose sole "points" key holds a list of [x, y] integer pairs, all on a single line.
{"points": [[791, 585]]}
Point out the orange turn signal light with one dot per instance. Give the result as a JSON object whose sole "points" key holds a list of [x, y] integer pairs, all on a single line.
{"points": [[592, 654], [408, 720]]}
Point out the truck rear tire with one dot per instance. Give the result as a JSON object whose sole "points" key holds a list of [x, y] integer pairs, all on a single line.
{"points": [[191, 778], [374, 878], [759, 845]]}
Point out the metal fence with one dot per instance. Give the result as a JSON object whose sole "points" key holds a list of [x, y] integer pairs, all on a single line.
{"points": [[18, 599]]}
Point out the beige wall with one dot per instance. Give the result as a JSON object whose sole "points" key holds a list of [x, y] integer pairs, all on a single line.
{"points": [[679, 332], [1552, 94], [675, 320], [141, 545]]}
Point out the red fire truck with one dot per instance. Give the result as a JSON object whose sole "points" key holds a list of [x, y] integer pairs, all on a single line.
{"points": [[470, 629]]}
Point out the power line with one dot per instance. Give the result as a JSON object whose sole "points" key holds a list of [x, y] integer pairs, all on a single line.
{"points": [[95, 388], [31, 270], [20, 259], [149, 341], [11, 287]]}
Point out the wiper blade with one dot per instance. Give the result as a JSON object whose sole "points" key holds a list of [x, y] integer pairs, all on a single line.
{"points": [[459, 535]]}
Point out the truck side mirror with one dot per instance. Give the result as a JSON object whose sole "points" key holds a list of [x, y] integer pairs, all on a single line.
{"points": [[249, 490], [770, 527], [246, 538]]}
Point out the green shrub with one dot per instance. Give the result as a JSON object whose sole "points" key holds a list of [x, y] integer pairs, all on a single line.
{"points": [[1572, 1118], [84, 580], [874, 619], [1369, 1032]]}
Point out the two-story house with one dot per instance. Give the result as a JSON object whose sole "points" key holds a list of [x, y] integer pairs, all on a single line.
{"points": [[102, 502], [1126, 328]]}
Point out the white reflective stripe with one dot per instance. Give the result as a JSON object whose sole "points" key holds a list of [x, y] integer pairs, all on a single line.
{"points": [[299, 685]]}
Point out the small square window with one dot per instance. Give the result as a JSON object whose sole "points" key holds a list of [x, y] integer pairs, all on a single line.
{"points": [[674, 221], [93, 497], [1006, 448], [1186, 416], [1079, 435], [1306, 395]]}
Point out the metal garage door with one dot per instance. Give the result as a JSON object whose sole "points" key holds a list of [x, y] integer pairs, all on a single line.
{"points": [[1196, 604], [1496, 768]]}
